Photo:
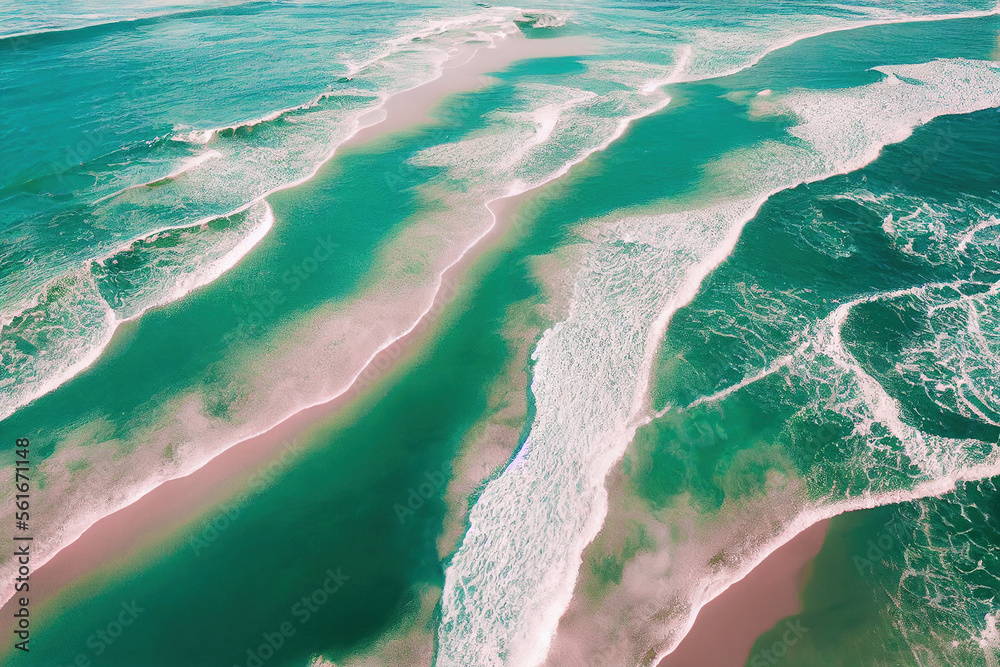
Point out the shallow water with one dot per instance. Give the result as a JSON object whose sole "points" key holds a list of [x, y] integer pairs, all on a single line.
{"points": [[738, 270]]}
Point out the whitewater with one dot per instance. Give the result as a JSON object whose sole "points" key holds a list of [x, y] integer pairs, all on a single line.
{"points": [[622, 303], [165, 216]]}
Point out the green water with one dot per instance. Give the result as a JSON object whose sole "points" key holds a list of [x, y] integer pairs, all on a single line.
{"points": [[337, 508], [794, 433], [803, 433], [883, 566]]}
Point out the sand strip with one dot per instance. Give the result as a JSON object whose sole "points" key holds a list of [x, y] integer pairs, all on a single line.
{"points": [[115, 537], [466, 70], [726, 628]]}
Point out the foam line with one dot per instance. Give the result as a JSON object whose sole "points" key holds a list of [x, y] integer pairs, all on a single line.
{"points": [[772, 368], [205, 136], [885, 408], [112, 321], [889, 20], [986, 224], [182, 13], [356, 126], [194, 162], [597, 427], [111, 324], [809, 517], [684, 55]]}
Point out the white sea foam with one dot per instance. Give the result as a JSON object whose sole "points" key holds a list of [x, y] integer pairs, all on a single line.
{"points": [[527, 531], [194, 162], [197, 262], [235, 174], [950, 358], [985, 224], [79, 322], [935, 456], [677, 73], [193, 136], [331, 334], [545, 162], [727, 44], [772, 368]]}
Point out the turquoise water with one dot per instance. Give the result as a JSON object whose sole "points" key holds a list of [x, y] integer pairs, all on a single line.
{"points": [[889, 574], [752, 284]]}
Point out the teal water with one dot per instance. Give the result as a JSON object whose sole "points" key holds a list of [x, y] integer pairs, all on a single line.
{"points": [[891, 589], [756, 299], [760, 400], [888, 575]]}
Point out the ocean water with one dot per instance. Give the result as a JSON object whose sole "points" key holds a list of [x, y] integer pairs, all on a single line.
{"points": [[751, 283], [894, 591]]}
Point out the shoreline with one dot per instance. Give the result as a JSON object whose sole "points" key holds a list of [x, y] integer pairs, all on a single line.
{"points": [[751, 606], [303, 418], [411, 107], [172, 502], [823, 515], [399, 111]]}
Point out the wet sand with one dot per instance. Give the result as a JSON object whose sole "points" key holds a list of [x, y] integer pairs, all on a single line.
{"points": [[464, 71], [726, 628], [116, 537]]}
